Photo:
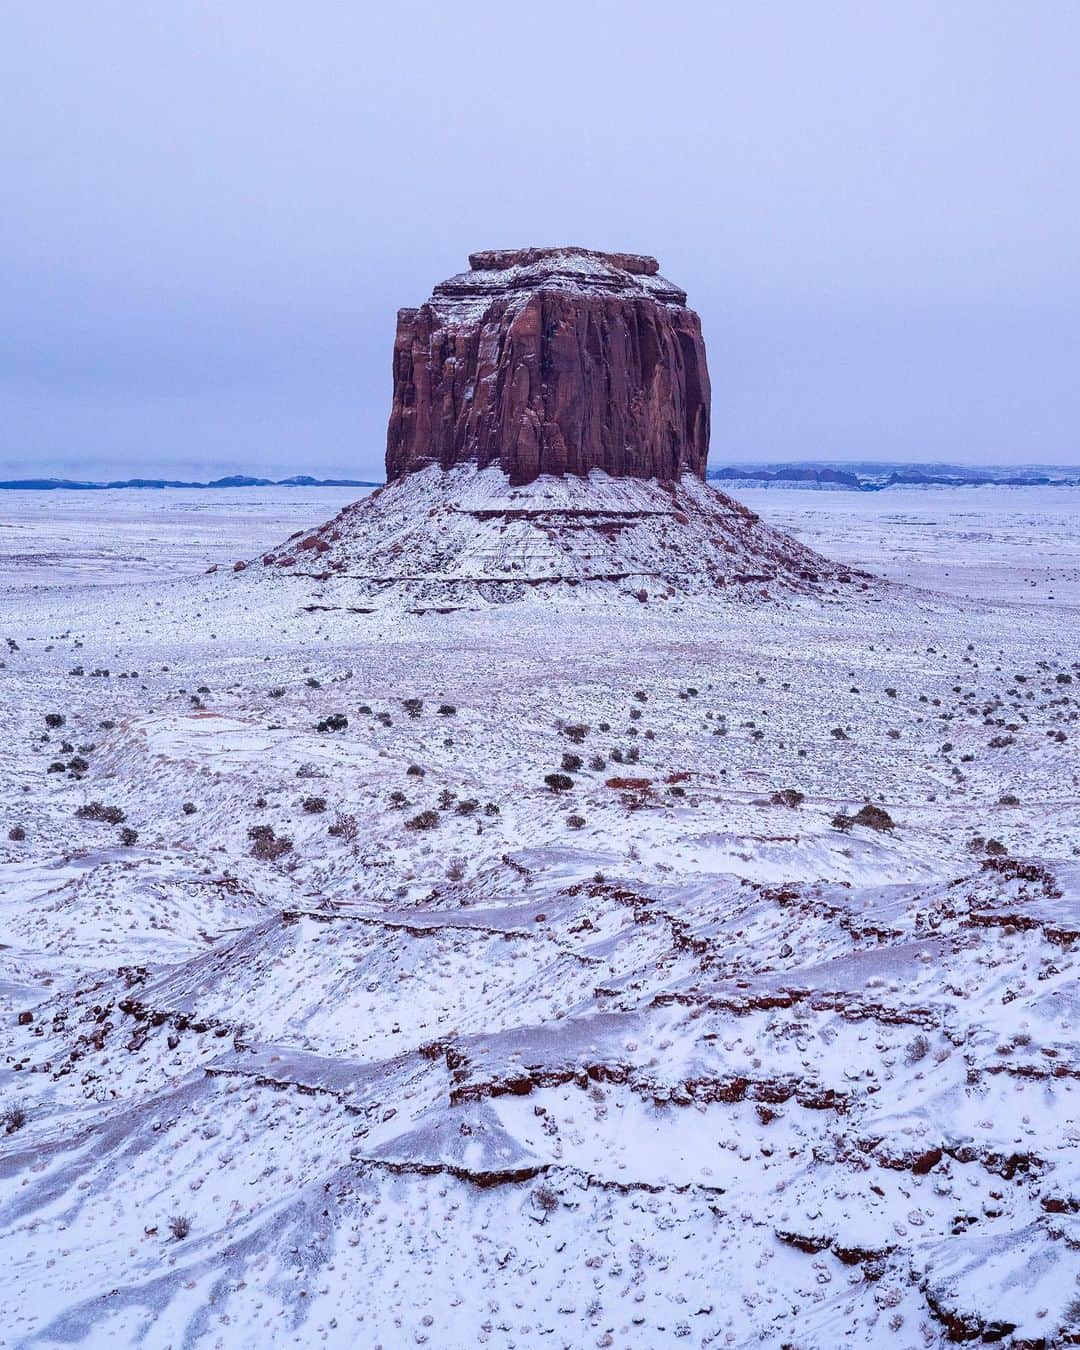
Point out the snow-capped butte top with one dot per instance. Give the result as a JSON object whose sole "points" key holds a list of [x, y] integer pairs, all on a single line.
{"points": [[628, 276]]}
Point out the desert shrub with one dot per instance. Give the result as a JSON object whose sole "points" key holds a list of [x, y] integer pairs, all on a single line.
{"points": [[276, 692], [415, 771], [1000, 742], [77, 764], [890, 691], [314, 806], [335, 722], [266, 845], [413, 706], [996, 848], [635, 714], [597, 763], [57, 766], [345, 827], [575, 822], [54, 720], [447, 710], [179, 1226], [189, 808], [426, 820], [467, 807], [917, 1048], [571, 763], [456, 869], [17, 834], [791, 797], [633, 755], [558, 782], [545, 1198], [398, 800], [108, 815], [13, 1118], [312, 682], [446, 799], [1008, 799], [128, 836], [576, 732], [384, 719], [491, 809], [641, 695], [874, 818], [839, 734]]}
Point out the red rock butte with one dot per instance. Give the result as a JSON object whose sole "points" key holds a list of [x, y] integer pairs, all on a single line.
{"points": [[551, 361]]}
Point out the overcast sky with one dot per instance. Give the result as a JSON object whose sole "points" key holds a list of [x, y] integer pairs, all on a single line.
{"points": [[212, 211]]}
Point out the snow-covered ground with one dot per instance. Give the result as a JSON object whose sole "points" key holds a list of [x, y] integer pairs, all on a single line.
{"points": [[333, 1022]]}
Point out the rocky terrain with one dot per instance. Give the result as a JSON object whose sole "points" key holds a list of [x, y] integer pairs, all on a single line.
{"points": [[568, 974]]}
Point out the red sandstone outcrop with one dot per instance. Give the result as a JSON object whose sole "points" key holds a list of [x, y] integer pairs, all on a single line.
{"points": [[551, 361]]}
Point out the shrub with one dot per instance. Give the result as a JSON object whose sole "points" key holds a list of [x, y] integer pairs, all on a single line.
{"points": [[996, 848], [467, 807], [575, 822], [447, 710], [426, 820], [345, 827], [446, 799], [415, 771], [14, 1118], [57, 766], [314, 806], [874, 818], [312, 682], [597, 763], [276, 692], [917, 1048], [791, 797], [335, 722], [267, 846], [571, 762], [1008, 799], [77, 764], [108, 815], [491, 809], [54, 720], [839, 734], [179, 1226], [17, 834], [456, 870], [128, 836], [413, 706], [189, 808], [398, 800], [576, 732], [558, 782]]}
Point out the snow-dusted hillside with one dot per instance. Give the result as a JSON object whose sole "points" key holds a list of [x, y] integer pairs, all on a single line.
{"points": [[532, 974], [442, 540]]}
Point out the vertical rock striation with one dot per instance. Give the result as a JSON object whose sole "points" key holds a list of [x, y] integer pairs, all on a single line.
{"points": [[551, 361]]}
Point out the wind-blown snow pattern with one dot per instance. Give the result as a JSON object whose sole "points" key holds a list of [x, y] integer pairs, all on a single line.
{"points": [[585, 972]]}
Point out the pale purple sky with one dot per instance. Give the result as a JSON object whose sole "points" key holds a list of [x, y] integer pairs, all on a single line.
{"points": [[213, 210]]}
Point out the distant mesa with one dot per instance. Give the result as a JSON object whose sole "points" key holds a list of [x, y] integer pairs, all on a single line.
{"points": [[232, 481], [549, 433]]}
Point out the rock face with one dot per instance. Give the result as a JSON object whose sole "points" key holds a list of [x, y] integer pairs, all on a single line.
{"points": [[551, 361]]}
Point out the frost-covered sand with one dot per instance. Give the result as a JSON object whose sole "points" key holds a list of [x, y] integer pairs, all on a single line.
{"points": [[439, 1055]]}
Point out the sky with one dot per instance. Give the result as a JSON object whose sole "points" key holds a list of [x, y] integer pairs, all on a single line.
{"points": [[212, 212]]}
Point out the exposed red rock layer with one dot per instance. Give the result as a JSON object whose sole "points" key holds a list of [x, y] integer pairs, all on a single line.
{"points": [[552, 361]]}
